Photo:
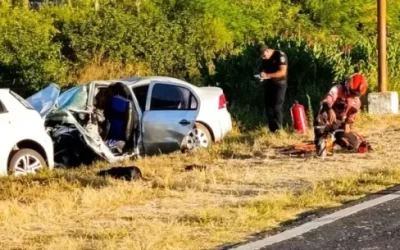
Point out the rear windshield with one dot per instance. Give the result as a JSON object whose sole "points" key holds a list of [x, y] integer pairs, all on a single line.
{"points": [[21, 100]]}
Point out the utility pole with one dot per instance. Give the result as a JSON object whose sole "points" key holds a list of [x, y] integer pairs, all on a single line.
{"points": [[382, 63], [382, 102]]}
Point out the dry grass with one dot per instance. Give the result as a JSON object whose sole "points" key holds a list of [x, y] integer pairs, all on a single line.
{"points": [[248, 188]]}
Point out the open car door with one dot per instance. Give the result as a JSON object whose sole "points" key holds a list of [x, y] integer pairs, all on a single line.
{"points": [[75, 103], [78, 106], [171, 112], [74, 109]]}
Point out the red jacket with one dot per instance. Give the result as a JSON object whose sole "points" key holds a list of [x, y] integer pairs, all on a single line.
{"points": [[345, 106]]}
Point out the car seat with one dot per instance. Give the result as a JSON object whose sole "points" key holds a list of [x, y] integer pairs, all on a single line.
{"points": [[120, 118]]}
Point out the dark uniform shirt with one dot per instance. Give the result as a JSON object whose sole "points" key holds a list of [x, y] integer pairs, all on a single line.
{"points": [[272, 65]]}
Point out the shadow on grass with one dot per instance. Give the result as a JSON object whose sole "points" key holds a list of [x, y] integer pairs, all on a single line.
{"points": [[238, 193], [229, 154], [96, 182], [279, 153], [247, 139], [311, 215], [46, 178]]}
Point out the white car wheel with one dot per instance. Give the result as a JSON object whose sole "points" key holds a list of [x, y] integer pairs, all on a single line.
{"points": [[198, 137], [26, 161]]}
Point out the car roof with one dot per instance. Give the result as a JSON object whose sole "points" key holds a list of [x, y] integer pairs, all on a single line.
{"points": [[135, 80], [4, 90]]}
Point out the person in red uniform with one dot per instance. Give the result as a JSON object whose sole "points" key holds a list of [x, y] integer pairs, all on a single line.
{"points": [[339, 110]]}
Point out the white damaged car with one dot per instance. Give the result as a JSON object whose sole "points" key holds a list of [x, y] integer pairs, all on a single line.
{"points": [[119, 119]]}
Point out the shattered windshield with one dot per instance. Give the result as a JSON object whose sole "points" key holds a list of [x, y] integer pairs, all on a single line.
{"points": [[75, 98], [44, 100]]}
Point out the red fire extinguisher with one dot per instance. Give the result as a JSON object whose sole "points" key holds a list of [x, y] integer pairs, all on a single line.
{"points": [[299, 118]]}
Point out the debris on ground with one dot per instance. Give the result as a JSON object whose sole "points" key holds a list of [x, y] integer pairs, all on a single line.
{"points": [[308, 148], [69, 147], [195, 166], [127, 173]]}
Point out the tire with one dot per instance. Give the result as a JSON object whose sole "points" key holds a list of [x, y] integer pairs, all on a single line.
{"points": [[198, 137], [26, 161]]}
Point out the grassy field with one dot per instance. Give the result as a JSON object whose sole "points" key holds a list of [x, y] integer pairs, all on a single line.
{"points": [[247, 188]]}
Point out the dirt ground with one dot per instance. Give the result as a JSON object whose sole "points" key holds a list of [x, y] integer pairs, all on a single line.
{"points": [[246, 188]]}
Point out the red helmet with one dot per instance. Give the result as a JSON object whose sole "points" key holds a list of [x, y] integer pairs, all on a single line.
{"points": [[357, 84]]}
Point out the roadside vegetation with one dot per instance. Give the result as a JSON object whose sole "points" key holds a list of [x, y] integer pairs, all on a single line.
{"points": [[247, 187], [206, 42]]}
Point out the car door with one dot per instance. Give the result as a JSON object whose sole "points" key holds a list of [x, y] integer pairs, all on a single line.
{"points": [[5, 121], [170, 114], [7, 134], [90, 132]]}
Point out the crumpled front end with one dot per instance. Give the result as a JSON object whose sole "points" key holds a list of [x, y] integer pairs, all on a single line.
{"points": [[79, 127]]}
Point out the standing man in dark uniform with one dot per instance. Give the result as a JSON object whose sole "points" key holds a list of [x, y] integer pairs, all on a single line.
{"points": [[274, 71]]}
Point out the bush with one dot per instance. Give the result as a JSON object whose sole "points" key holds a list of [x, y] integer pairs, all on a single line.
{"points": [[28, 57], [206, 42]]}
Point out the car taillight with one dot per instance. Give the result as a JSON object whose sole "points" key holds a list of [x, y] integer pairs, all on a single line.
{"points": [[222, 102]]}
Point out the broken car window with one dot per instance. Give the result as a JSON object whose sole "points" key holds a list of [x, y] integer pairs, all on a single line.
{"points": [[75, 98], [44, 100]]}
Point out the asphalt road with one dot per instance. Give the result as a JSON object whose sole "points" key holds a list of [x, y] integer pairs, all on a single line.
{"points": [[374, 228]]}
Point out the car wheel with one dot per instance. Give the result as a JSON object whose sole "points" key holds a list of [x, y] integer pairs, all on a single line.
{"points": [[198, 137], [26, 161]]}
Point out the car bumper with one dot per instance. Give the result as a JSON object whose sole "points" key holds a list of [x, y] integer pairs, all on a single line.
{"points": [[225, 125], [3, 164]]}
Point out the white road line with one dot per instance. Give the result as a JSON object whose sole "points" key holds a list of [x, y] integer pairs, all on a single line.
{"points": [[317, 223]]}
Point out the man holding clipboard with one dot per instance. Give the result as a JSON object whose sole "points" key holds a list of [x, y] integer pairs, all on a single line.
{"points": [[273, 75]]}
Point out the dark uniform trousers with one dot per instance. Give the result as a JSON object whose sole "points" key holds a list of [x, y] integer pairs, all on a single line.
{"points": [[274, 97]]}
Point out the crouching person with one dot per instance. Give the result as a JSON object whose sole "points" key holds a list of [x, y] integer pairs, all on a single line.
{"points": [[339, 110]]}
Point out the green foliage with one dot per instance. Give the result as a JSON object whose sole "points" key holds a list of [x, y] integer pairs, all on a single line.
{"points": [[27, 54], [207, 42], [342, 17]]}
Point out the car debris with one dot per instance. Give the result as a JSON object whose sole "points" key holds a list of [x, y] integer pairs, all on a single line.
{"points": [[130, 173], [196, 167], [79, 128]]}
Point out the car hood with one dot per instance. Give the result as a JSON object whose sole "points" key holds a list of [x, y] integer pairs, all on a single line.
{"points": [[45, 100], [48, 99]]}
